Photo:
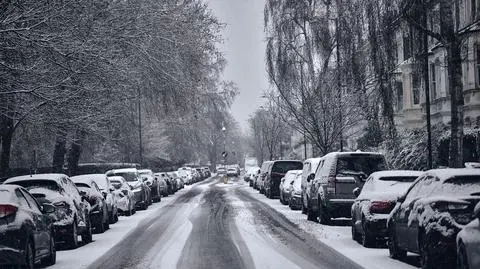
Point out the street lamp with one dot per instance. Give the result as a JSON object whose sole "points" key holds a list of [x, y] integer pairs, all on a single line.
{"points": [[224, 154]]}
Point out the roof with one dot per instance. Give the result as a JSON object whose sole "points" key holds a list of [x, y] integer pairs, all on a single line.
{"points": [[124, 170], [343, 153], [117, 178], [393, 173], [87, 179], [54, 177], [447, 173], [9, 187], [317, 159], [145, 171]]}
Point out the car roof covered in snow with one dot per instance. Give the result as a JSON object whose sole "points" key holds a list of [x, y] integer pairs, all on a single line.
{"points": [[53, 177], [395, 173], [86, 179], [448, 173], [123, 170], [117, 178], [349, 153]]}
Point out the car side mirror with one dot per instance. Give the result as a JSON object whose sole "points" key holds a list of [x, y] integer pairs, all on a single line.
{"points": [[83, 193], [401, 199], [48, 208], [310, 177], [476, 211], [356, 191]]}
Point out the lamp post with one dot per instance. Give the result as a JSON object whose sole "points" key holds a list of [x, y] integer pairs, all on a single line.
{"points": [[224, 131]]}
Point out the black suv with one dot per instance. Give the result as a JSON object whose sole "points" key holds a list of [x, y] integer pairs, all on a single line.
{"points": [[275, 174]]}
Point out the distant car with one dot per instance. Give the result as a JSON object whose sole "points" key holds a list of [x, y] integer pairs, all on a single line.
{"points": [[162, 184], [72, 211], [468, 243], [107, 190], [221, 171], [338, 174], [26, 229], [176, 180], [276, 171], [149, 178], [125, 195], [295, 201], [232, 172], [286, 185], [139, 188], [427, 219], [207, 171], [89, 189], [187, 174], [263, 173], [375, 201], [309, 167]]}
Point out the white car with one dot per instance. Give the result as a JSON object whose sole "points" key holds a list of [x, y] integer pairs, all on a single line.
{"points": [[468, 243], [124, 194]]}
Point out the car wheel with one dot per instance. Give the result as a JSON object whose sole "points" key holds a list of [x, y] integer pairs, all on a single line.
{"points": [[87, 235], [312, 215], [394, 250], [115, 218], [427, 260], [100, 227], [322, 215], [52, 257], [355, 236], [29, 256], [72, 242], [304, 209], [462, 259], [367, 240]]}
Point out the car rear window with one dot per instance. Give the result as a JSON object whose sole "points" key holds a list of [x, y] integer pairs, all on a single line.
{"points": [[128, 176], [284, 167], [82, 185], [462, 185], [34, 184], [398, 179], [365, 164]]}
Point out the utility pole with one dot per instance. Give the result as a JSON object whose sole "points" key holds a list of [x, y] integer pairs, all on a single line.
{"points": [[427, 90], [303, 108], [140, 126], [339, 82]]}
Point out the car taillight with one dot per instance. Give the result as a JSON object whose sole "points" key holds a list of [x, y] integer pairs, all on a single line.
{"points": [[60, 204], [7, 210], [331, 185], [381, 207]]}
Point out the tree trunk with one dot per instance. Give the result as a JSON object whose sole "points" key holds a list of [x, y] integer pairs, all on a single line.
{"points": [[59, 151], [75, 152], [6, 140]]}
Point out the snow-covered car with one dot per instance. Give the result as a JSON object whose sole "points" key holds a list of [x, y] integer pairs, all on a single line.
{"points": [[162, 184], [72, 211], [338, 174], [250, 174], [107, 190], [124, 194], [232, 172], [295, 201], [275, 173], [375, 201], [89, 189], [149, 178], [309, 167], [177, 181], [221, 170], [263, 173], [207, 171], [427, 219], [286, 185], [139, 188], [468, 243], [26, 229], [186, 174]]}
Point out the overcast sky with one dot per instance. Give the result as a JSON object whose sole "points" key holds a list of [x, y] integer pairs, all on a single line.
{"points": [[245, 52]]}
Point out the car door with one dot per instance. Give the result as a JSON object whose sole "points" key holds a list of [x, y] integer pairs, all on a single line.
{"points": [[31, 222], [363, 199], [43, 222]]}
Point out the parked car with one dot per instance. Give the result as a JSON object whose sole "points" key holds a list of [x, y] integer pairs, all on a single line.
{"points": [[72, 211], [468, 243], [108, 193], [221, 170], [232, 172], [207, 171], [162, 184], [99, 214], [187, 174], [286, 185], [201, 173], [427, 219], [26, 228], [295, 201], [139, 188], [338, 174], [375, 201], [275, 173], [309, 167], [179, 184], [148, 177], [125, 195], [263, 172]]}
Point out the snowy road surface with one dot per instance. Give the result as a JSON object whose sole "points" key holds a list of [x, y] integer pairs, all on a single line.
{"points": [[216, 225]]}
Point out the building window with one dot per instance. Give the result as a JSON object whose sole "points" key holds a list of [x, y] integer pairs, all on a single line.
{"points": [[399, 91], [433, 83], [416, 89]]}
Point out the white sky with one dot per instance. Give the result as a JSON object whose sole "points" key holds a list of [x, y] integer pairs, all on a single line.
{"points": [[244, 50]]}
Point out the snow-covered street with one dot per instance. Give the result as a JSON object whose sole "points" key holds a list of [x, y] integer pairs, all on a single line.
{"points": [[216, 225]]}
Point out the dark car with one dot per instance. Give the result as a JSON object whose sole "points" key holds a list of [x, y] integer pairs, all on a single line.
{"points": [[427, 219], [151, 181], [99, 216], [26, 228], [139, 187], [375, 201], [338, 174], [72, 211], [274, 175], [107, 190]]}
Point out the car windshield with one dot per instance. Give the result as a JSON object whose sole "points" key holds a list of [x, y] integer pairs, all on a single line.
{"points": [[398, 178], [284, 167], [128, 176], [462, 186], [362, 165], [37, 184]]}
